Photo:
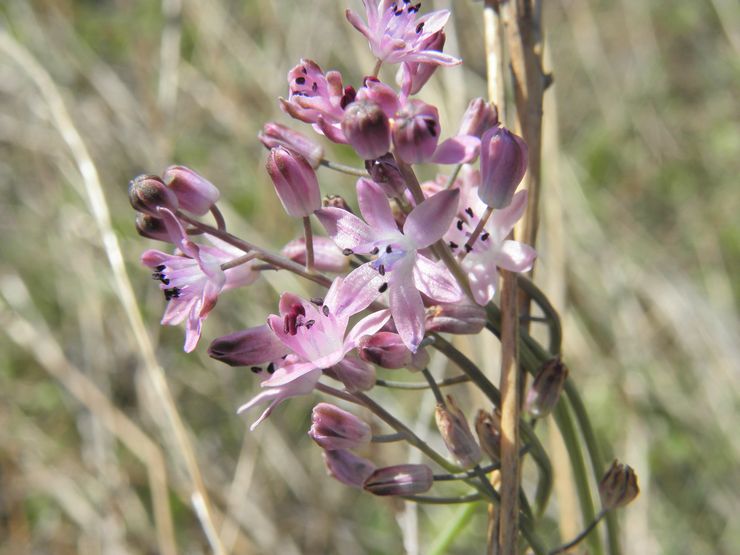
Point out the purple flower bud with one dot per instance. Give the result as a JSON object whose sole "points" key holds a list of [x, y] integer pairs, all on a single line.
{"points": [[333, 428], [416, 131], [336, 201], [194, 192], [503, 163], [545, 390], [151, 227], [295, 182], [381, 94], [618, 487], [327, 256], [478, 118], [347, 467], [148, 192], [387, 350], [488, 428], [460, 318], [274, 135], [355, 374], [367, 129], [385, 173], [455, 432], [402, 479], [414, 75]]}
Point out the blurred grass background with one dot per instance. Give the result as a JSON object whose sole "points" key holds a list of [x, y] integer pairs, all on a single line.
{"points": [[640, 251]]}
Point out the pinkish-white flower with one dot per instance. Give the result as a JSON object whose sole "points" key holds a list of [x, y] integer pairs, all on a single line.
{"points": [[404, 270], [193, 280]]}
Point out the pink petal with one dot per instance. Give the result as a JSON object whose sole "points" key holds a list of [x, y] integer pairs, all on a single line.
{"points": [[355, 293], [177, 233], [367, 326], [290, 373], [406, 304], [503, 220], [347, 230], [515, 256], [358, 24], [431, 219], [330, 130], [462, 149], [432, 57], [433, 22], [374, 207], [177, 310], [483, 278], [193, 328], [435, 280]]}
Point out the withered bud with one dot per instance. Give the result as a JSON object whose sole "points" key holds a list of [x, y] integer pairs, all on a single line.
{"points": [[151, 227], [545, 390], [618, 487], [402, 479], [454, 429], [460, 318], [336, 201], [488, 428], [148, 192], [384, 171]]}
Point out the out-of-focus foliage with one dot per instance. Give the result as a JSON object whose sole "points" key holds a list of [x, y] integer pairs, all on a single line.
{"points": [[640, 251]]}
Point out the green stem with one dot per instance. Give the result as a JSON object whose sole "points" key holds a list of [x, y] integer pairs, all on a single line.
{"points": [[443, 540], [419, 385], [443, 500], [575, 541]]}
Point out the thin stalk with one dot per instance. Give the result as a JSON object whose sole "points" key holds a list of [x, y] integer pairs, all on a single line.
{"points": [[419, 385], [218, 217], [443, 500], [464, 475], [575, 541], [433, 386], [453, 176], [551, 315], [476, 232], [376, 69], [308, 235], [441, 543], [341, 168], [388, 438], [239, 261]]}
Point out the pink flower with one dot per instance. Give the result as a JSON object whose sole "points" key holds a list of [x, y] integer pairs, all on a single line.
{"points": [[192, 281], [312, 334], [398, 261], [395, 35], [492, 249]]}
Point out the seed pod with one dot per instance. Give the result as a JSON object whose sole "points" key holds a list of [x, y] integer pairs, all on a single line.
{"points": [[454, 429], [545, 390], [618, 487]]}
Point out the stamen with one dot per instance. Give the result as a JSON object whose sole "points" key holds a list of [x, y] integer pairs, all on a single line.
{"points": [[271, 368], [318, 301], [300, 80], [381, 270], [315, 86], [304, 70], [432, 127], [325, 310], [383, 288], [309, 324], [459, 224], [468, 247], [469, 211], [376, 250], [256, 369], [161, 268], [419, 27], [347, 252], [453, 245], [388, 249], [415, 9], [484, 236]]}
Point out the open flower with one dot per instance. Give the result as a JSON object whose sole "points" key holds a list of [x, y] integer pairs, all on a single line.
{"points": [[492, 249], [313, 335], [406, 271], [395, 35], [191, 282]]}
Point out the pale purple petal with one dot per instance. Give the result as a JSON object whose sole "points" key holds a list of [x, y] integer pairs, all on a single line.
{"points": [[177, 310], [406, 304], [503, 220], [432, 57], [462, 149], [177, 233], [331, 131], [249, 347], [374, 207], [367, 326], [356, 292], [433, 22], [515, 256], [347, 230], [358, 24], [290, 373], [431, 219], [436, 281], [482, 276], [193, 327]]}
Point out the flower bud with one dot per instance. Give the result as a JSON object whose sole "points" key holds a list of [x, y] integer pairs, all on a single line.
{"points": [[336, 201], [503, 163], [367, 129], [402, 479], [478, 118], [194, 192], [274, 135], [347, 467], [454, 429], [384, 171], [545, 390], [618, 486], [295, 182], [333, 428], [460, 318], [488, 428], [151, 227], [387, 350], [327, 256], [379, 93], [355, 374], [147, 193], [415, 75], [416, 131]]}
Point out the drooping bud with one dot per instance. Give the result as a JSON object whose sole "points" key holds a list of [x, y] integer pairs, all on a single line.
{"points": [[459, 318], [503, 163], [402, 479], [275, 134], [355, 374], [333, 428], [194, 192], [367, 128], [413, 76], [416, 131], [545, 390], [480, 116], [387, 350], [618, 487], [347, 467], [454, 429], [384, 171], [488, 428], [146, 193], [327, 256], [295, 182], [151, 227], [336, 201]]}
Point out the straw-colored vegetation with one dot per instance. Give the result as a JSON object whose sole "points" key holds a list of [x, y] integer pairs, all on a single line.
{"points": [[112, 440]]}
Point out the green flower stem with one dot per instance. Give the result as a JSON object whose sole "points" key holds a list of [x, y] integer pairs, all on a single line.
{"points": [[551, 315], [443, 500], [443, 540], [453, 176], [419, 385], [575, 541], [434, 387], [349, 170], [388, 438]]}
